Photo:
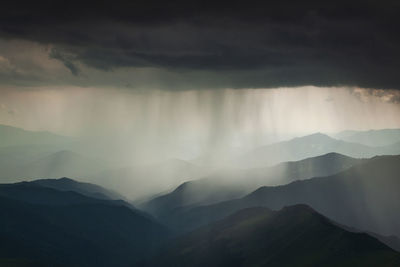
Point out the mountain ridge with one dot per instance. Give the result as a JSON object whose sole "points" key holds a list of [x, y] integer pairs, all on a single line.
{"points": [[74, 230], [238, 183], [293, 236], [353, 197]]}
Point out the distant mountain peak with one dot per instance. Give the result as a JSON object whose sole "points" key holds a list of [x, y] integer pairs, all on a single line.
{"points": [[332, 155], [315, 136]]}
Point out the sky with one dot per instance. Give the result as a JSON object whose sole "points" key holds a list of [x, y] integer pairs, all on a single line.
{"points": [[199, 70], [200, 44]]}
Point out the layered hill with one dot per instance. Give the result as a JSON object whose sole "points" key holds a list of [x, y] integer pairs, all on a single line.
{"points": [[87, 189], [20, 163], [364, 197], [65, 228], [11, 136], [293, 236], [383, 137], [141, 181], [309, 146], [232, 184]]}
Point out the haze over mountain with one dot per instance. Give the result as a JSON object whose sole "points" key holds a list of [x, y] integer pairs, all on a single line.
{"points": [[364, 197], [294, 236], [87, 189], [11, 136], [66, 163], [231, 184], [60, 209], [384, 137], [309, 146], [142, 181], [89, 161], [33, 162], [293, 150]]}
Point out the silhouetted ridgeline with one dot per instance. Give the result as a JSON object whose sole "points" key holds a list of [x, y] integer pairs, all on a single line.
{"points": [[365, 197], [293, 236], [237, 183], [300, 204], [57, 223], [65, 228]]}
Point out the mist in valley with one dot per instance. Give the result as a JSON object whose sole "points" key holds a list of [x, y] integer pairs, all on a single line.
{"points": [[143, 143]]}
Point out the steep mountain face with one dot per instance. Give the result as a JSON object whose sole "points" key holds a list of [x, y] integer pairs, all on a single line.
{"points": [[384, 137], [237, 183], [308, 146], [293, 236], [64, 228], [364, 196]]}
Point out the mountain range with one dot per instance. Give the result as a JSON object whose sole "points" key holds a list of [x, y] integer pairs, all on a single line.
{"points": [[230, 184], [52, 227], [87, 189], [11, 136], [153, 178], [306, 147], [364, 197], [38, 161], [62, 222], [38, 155], [293, 236], [382, 137], [310, 201]]}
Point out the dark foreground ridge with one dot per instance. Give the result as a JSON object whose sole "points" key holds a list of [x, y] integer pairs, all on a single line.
{"points": [[44, 224], [294, 236], [50, 227]]}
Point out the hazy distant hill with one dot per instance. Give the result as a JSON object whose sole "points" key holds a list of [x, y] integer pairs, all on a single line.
{"points": [[32, 192], [87, 189], [25, 153], [309, 146], [365, 196], [29, 155], [66, 163], [383, 137], [64, 228], [141, 181], [237, 183], [23, 162], [11, 136], [293, 236]]}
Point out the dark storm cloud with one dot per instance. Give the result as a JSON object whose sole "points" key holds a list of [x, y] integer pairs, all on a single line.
{"points": [[65, 59], [243, 43]]}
